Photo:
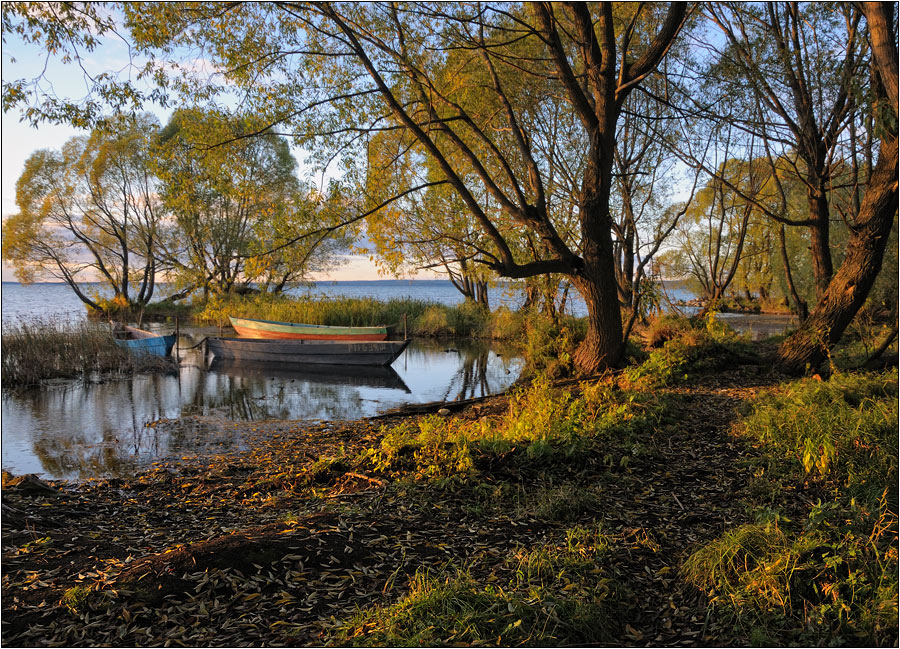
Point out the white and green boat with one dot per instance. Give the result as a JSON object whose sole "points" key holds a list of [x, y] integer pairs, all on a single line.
{"points": [[274, 330]]}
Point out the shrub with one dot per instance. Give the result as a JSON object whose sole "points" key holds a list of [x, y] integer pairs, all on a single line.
{"points": [[504, 324], [662, 329], [550, 344]]}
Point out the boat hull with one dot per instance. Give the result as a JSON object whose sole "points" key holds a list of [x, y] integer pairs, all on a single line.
{"points": [[139, 341], [274, 330], [299, 352], [368, 376]]}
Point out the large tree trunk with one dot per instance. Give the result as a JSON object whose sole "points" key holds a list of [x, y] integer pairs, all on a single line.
{"points": [[602, 346], [807, 348]]}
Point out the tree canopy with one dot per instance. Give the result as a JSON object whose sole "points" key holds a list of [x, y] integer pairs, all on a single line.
{"points": [[529, 140]]}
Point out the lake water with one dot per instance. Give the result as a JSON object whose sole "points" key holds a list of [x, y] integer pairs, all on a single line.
{"points": [[77, 430], [45, 300]]}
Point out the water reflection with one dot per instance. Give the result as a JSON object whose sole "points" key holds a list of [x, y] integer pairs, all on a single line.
{"points": [[77, 431], [375, 377]]}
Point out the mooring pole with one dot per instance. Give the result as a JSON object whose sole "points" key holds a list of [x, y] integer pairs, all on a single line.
{"points": [[404, 327], [177, 336]]}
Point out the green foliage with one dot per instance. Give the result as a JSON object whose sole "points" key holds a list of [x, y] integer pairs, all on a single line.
{"points": [[833, 575], [672, 361], [557, 594], [663, 328], [813, 585], [550, 344], [542, 425], [844, 429], [90, 212], [505, 324], [239, 212], [76, 599]]}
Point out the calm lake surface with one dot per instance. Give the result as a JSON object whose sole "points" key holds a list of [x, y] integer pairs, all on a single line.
{"points": [[77, 430]]}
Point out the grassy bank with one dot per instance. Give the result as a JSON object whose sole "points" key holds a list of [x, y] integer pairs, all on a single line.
{"points": [[823, 569], [685, 500], [37, 351]]}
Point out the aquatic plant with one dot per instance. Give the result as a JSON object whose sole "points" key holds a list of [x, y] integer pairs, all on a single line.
{"points": [[39, 350]]}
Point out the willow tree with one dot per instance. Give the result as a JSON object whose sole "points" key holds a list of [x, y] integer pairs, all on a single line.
{"points": [[234, 201], [340, 71], [850, 286], [818, 78], [91, 212]]}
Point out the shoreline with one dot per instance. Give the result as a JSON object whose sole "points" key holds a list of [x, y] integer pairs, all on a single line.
{"points": [[137, 549]]}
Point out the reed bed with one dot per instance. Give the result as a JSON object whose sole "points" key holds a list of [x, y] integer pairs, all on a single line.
{"points": [[422, 317], [39, 350]]}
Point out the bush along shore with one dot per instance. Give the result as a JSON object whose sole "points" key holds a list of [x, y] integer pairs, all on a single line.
{"points": [[682, 501]]}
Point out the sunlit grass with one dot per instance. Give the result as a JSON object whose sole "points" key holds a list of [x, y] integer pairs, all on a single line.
{"points": [[834, 574], [552, 594], [541, 425], [844, 429]]}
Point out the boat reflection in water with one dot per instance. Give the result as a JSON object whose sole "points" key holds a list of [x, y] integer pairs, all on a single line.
{"points": [[79, 430], [365, 376]]}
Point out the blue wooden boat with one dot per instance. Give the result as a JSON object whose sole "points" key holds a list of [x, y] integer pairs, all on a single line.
{"points": [[143, 342]]}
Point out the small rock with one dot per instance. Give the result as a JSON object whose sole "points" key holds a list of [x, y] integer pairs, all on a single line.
{"points": [[443, 412]]}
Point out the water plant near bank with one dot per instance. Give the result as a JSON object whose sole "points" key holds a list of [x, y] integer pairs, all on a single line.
{"points": [[40, 350], [421, 317]]}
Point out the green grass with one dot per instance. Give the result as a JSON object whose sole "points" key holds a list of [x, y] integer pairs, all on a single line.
{"points": [[843, 430], [550, 595], [76, 599], [542, 426], [830, 576], [40, 350]]}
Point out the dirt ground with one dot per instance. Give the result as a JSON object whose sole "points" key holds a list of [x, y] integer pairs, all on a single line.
{"points": [[261, 547]]}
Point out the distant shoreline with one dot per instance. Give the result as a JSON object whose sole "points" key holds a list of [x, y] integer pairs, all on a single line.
{"points": [[317, 281]]}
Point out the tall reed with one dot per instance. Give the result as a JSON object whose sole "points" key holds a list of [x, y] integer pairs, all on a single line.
{"points": [[38, 350], [422, 317]]}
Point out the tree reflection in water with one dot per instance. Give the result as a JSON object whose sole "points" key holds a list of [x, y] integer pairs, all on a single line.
{"points": [[77, 431]]}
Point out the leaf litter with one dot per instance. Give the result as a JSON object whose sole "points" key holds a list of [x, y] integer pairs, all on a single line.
{"points": [[247, 548]]}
